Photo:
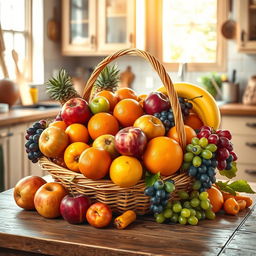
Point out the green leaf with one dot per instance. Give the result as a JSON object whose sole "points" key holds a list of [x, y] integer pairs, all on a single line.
{"points": [[241, 186], [230, 173], [223, 186], [150, 178]]}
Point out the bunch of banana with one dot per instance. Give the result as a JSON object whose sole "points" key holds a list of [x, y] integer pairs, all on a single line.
{"points": [[205, 106]]}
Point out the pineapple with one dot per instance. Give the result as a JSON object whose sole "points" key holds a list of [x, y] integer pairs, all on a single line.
{"points": [[60, 88], [107, 80]]}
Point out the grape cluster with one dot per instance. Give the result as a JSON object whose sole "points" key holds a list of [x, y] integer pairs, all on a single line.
{"points": [[200, 162], [167, 116], [189, 210], [32, 137], [160, 194], [222, 139]]}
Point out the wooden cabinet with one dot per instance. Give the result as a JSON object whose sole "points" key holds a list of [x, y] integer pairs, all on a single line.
{"points": [[16, 164], [243, 131], [247, 26], [97, 27]]}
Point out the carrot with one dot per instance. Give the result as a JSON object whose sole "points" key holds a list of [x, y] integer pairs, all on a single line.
{"points": [[125, 219], [231, 206], [247, 199]]}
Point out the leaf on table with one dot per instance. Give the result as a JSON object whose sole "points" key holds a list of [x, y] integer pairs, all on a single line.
{"points": [[223, 186], [230, 173], [150, 178], [241, 186]]}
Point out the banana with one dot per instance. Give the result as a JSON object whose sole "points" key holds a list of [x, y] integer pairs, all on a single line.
{"points": [[205, 106]]}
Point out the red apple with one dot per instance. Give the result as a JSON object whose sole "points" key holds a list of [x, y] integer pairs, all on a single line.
{"points": [[99, 215], [156, 102], [73, 208], [25, 189], [48, 198], [75, 110], [131, 141]]}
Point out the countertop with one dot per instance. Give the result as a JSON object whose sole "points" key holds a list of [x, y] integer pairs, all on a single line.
{"points": [[27, 233], [15, 116]]}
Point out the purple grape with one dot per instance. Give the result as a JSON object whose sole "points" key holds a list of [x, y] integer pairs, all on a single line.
{"points": [[31, 131], [223, 154]]}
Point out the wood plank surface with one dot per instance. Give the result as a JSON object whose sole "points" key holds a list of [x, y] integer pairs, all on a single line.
{"points": [[27, 231], [238, 109]]}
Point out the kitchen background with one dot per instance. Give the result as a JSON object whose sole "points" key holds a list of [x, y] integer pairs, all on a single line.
{"points": [[49, 55]]}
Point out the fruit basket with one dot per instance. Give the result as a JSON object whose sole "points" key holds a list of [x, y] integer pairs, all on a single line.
{"points": [[104, 190]]}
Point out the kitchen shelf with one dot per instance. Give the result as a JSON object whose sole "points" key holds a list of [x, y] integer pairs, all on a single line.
{"points": [[79, 21]]}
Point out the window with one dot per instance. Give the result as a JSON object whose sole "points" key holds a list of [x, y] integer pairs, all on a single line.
{"points": [[15, 23], [188, 31]]}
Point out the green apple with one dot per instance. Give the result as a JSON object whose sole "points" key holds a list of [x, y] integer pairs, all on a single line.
{"points": [[106, 142], [99, 104]]}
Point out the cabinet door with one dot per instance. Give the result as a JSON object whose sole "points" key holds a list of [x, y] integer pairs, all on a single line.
{"points": [[4, 163], [247, 26], [116, 26], [78, 26]]}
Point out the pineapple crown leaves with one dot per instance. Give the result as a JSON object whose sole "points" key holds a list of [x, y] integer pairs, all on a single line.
{"points": [[60, 88], [109, 77]]}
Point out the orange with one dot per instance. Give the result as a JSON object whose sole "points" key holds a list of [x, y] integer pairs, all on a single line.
{"points": [[126, 93], [110, 96], [163, 155], [190, 133], [127, 111], [102, 123], [141, 99], [216, 198], [231, 206], [125, 171], [77, 133], [72, 154], [94, 163], [194, 121], [60, 124]]}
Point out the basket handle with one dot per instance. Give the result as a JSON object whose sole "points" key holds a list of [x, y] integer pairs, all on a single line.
{"points": [[159, 68]]}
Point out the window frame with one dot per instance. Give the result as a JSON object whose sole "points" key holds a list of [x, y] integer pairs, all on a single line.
{"points": [[154, 30], [28, 37]]}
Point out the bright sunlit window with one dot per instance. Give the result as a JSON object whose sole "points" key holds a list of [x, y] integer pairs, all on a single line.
{"points": [[14, 19]]}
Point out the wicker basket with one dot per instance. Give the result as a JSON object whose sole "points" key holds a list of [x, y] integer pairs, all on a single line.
{"points": [[122, 199]]}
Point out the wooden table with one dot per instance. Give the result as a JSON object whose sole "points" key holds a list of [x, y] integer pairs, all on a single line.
{"points": [[27, 233]]}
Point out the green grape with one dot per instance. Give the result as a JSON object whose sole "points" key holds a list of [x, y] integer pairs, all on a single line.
{"points": [[203, 196], [195, 202], [160, 218], [193, 220], [185, 213], [177, 207], [174, 218], [183, 195], [189, 148], [188, 157], [197, 161], [203, 142], [194, 194], [196, 150], [205, 204], [167, 213], [210, 215], [185, 166], [187, 205], [206, 154], [169, 205], [212, 147], [192, 212], [197, 185], [169, 187], [199, 215], [182, 220], [195, 141]]}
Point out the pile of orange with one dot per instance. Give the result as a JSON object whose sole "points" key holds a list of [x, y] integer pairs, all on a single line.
{"points": [[162, 153]]}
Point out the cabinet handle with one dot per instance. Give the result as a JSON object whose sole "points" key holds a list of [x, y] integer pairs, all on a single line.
{"points": [[251, 172], [5, 134], [251, 144], [242, 36], [92, 40], [131, 39], [251, 125]]}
